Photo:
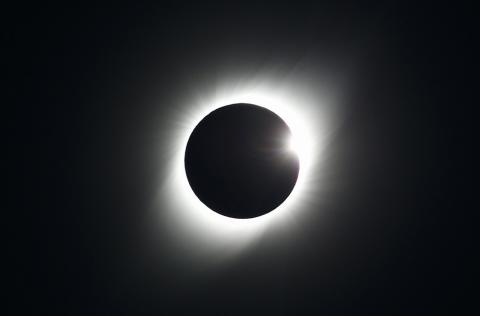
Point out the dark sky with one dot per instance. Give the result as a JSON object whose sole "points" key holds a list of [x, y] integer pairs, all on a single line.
{"points": [[397, 237]]}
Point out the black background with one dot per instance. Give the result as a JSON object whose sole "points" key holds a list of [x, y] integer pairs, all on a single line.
{"points": [[398, 237]]}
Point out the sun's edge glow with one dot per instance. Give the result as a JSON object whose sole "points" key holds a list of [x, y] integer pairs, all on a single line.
{"points": [[194, 223]]}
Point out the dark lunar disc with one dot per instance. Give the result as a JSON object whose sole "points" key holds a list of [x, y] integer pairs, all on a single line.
{"points": [[237, 161]]}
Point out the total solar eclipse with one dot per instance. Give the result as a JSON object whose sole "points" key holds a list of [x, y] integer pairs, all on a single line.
{"points": [[238, 161]]}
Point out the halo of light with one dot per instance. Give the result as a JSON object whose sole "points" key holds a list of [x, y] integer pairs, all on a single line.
{"points": [[307, 112]]}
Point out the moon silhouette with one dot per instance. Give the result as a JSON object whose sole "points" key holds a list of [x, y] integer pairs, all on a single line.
{"points": [[238, 161]]}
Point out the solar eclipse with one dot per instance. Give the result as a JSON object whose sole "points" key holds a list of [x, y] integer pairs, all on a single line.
{"points": [[244, 159], [239, 161], [307, 116]]}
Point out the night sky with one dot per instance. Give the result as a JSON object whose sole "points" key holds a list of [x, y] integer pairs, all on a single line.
{"points": [[96, 90]]}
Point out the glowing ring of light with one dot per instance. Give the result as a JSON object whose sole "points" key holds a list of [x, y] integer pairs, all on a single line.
{"points": [[192, 222]]}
